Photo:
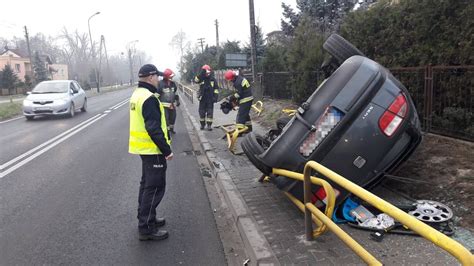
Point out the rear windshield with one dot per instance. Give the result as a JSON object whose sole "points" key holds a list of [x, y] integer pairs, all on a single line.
{"points": [[51, 87]]}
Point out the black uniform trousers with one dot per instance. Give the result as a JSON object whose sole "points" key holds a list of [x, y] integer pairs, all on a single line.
{"points": [[243, 114], [206, 111], [152, 190], [170, 115]]}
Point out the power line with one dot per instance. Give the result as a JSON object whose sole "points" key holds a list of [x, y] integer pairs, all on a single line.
{"points": [[201, 40]]}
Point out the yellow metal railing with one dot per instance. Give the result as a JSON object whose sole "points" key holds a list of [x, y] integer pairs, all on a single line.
{"points": [[311, 212], [258, 107], [232, 133]]}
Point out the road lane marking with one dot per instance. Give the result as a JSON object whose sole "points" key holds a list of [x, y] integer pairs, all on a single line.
{"points": [[3, 166], [118, 104], [45, 149], [13, 119]]}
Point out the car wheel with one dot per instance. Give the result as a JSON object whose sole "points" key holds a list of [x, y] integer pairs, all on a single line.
{"points": [[30, 117], [72, 110], [340, 48], [84, 107], [252, 149]]}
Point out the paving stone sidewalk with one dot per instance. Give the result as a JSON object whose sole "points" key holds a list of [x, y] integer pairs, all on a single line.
{"points": [[281, 224]]}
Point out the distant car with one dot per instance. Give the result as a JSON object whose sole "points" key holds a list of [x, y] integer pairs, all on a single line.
{"points": [[55, 97], [360, 122]]}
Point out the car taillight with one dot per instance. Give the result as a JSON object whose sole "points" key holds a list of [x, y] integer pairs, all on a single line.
{"points": [[392, 118]]}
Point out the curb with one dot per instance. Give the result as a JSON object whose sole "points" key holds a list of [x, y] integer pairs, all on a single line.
{"points": [[256, 245]]}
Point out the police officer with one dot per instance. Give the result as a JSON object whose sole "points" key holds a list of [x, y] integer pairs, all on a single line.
{"points": [[207, 96], [149, 139], [167, 90], [244, 99]]}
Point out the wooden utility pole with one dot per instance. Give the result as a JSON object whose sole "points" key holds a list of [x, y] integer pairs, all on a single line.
{"points": [[201, 40], [253, 50], [29, 53], [217, 33]]}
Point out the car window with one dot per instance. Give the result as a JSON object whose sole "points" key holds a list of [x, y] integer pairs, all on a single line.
{"points": [[73, 88], [78, 87], [51, 87]]}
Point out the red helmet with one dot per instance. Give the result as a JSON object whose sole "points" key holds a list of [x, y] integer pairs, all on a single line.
{"points": [[229, 75], [206, 67], [168, 74]]}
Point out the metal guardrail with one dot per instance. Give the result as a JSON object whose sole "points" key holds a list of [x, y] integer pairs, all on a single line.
{"points": [[188, 92], [324, 222]]}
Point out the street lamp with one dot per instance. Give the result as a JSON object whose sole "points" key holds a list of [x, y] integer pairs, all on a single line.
{"points": [[129, 48], [92, 49]]}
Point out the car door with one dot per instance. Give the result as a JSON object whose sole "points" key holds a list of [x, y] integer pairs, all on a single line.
{"points": [[81, 95], [74, 92]]}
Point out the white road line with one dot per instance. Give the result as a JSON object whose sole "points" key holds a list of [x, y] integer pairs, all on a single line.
{"points": [[18, 165], [117, 107], [119, 104], [44, 144], [13, 119]]}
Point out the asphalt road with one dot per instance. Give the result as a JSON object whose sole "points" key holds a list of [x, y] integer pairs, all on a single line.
{"points": [[68, 193]]}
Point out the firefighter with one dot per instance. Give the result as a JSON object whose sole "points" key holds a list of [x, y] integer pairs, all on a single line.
{"points": [[243, 95], [168, 97], [149, 139], [207, 96]]}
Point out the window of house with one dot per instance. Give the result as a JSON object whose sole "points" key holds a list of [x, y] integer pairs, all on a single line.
{"points": [[17, 67]]}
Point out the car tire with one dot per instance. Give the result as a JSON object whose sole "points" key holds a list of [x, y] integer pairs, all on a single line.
{"points": [[340, 49], [72, 110], [252, 149], [84, 106], [29, 117]]}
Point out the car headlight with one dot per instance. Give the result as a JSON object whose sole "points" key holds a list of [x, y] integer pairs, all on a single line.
{"points": [[61, 101], [27, 102]]}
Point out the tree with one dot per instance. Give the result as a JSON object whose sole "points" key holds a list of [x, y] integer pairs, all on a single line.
{"points": [[413, 33], [40, 71], [179, 43], [304, 59], [8, 79]]}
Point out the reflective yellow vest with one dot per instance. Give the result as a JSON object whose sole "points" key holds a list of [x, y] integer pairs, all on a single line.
{"points": [[139, 141]]}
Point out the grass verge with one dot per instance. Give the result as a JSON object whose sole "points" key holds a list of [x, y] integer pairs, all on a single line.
{"points": [[8, 110]]}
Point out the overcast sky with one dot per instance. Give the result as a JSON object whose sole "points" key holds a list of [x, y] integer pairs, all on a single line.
{"points": [[153, 23]]}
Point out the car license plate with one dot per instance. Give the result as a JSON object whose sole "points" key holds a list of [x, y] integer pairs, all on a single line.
{"points": [[42, 109]]}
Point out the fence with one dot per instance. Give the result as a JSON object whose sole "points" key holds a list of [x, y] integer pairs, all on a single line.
{"points": [[443, 95]]}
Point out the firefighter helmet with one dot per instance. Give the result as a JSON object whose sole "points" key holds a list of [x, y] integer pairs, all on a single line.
{"points": [[168, 74], [229, 75]]}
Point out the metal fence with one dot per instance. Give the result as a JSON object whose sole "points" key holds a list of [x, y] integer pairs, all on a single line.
{"points": [[443, 95]]}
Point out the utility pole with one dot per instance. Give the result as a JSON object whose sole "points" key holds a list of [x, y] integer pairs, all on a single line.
{"points": [[106, 58], [29, 53], [129, 47], [253, 50], [201, 40], [100, 59], [217, 33]]}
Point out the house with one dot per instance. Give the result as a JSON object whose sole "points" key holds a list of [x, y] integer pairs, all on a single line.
{"points": [[20, 63]]}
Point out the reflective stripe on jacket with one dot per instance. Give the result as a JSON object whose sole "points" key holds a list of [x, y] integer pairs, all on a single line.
{"points": [[243, 90], [139, 140]]}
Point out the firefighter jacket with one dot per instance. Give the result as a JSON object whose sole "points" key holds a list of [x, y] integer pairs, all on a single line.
{"points": [[208, 88], [148, 130], [167, 91], [243, 90]]}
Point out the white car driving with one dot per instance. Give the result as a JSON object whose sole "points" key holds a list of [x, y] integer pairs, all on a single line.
{"points": [[55, 97]]}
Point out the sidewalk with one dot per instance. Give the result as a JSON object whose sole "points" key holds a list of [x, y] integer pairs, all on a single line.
{"points": [[273, 228]]}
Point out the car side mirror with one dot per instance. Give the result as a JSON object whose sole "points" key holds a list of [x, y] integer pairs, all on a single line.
{"points": [[28, 92]]}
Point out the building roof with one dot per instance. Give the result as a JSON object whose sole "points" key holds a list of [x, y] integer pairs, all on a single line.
{"points": [[15, 51]]}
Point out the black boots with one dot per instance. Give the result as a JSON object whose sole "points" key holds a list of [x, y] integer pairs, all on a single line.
{"points": [[157, 235], [203, 124], [209, 126]]}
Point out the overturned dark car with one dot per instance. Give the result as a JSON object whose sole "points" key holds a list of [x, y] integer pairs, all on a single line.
{"points": [[360, 122]]}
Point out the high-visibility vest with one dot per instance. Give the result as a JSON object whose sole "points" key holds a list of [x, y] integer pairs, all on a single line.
{"points": [[139, 141]]}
